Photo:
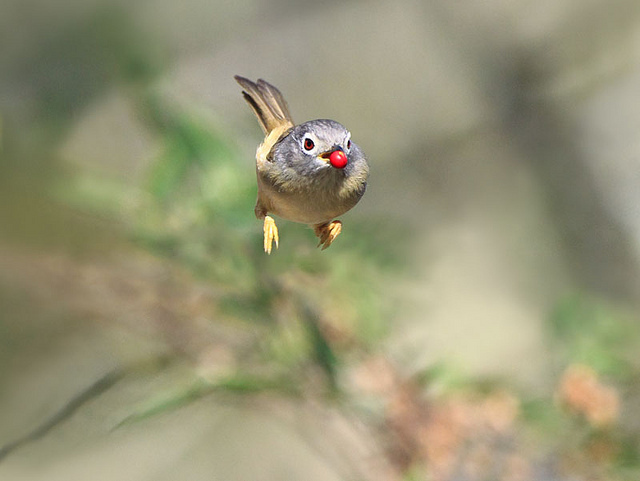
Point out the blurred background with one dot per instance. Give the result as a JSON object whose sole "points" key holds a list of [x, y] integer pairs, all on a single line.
{"points": [[476, 320]]}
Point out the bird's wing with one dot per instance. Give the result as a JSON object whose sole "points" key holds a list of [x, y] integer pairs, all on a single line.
{"points": [[267, 103]]}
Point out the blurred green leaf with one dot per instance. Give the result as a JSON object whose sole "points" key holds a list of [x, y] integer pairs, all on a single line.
{"points": [[594, 333], [238, 383]]}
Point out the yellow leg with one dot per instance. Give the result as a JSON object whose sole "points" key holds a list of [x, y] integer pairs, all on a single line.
{"points": [[270, 233], [327, 232]]}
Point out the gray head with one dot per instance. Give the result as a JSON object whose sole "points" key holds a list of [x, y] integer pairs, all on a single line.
{"points": [[320, 146]]}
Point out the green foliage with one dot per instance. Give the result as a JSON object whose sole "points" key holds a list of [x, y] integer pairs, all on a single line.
{"points": [[594, 333], [179, 397], [584, 331]]}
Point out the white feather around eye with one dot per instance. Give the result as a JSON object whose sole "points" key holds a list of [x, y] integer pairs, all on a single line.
{"points": [[309, 143], [347, 142]]}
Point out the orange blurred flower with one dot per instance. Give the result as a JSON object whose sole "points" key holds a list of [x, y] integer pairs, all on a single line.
{"points": [[582, 392]]}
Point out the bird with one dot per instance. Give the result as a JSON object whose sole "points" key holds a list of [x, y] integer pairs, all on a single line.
{"points": [[308, 173]]}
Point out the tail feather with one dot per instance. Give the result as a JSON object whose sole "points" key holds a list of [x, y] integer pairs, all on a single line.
{"points": [[267, 103]]}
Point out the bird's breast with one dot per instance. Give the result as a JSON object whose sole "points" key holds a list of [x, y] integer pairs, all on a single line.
{"points": [[307, 203]]}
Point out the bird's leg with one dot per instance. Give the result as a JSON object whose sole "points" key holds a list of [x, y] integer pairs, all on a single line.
{"points": [[327, 232], [270, 233]]}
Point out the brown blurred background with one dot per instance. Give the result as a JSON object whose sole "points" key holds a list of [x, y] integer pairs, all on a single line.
{"points": [[476, 320]]}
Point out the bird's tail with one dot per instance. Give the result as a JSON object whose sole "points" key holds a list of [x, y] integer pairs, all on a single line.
{"points": [[267, 103]]}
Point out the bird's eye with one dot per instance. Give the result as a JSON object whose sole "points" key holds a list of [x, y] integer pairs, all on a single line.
{"points": [[308, 144], [349, 144]]}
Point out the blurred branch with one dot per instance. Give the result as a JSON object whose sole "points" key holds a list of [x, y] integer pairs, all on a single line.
{"points": [[68, 410]]}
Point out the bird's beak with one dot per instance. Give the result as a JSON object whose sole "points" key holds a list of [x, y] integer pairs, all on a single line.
{"points": [[327, 154]]}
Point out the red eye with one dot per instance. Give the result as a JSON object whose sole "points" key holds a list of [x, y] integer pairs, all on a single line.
{"points": [[308, 144]]}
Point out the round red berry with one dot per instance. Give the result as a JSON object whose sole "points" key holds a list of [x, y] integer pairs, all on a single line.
{"points": [[338, 159]]}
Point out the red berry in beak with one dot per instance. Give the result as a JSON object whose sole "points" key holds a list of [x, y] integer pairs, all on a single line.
{"points": [[338, 159]]}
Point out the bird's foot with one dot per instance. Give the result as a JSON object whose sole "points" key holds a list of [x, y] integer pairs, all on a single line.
{"points": [[270, 233], [327, 232]]}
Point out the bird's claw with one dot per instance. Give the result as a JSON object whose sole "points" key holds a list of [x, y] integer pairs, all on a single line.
{"points": [[328, 232], [270, 234]]}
